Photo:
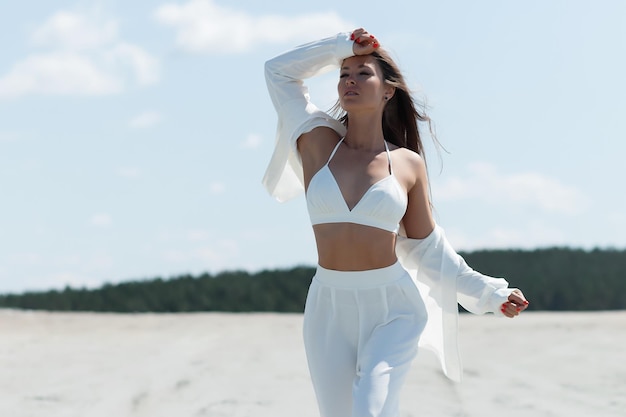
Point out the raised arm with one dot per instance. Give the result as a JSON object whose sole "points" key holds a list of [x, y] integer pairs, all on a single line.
{"points": [[284, 76], [285, 73]]}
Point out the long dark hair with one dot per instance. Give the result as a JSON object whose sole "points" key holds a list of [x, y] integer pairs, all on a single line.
{"points": [[401, 115]]}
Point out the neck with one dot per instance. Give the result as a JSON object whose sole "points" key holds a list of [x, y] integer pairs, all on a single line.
{"points": [[365, 132]]}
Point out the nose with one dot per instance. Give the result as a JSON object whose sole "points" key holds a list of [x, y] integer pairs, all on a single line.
{"points": [[350, 80]]}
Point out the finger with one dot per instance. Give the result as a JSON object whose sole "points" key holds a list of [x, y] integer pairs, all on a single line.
{"points": [[362, 37], [374, 42], [508, 313], [518, 297], [367, 39], [357, 33], [511, 310], [506, 309], [365, 45]]}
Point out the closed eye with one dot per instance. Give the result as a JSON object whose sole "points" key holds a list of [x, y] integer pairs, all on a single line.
{"points": [[364, 73]]}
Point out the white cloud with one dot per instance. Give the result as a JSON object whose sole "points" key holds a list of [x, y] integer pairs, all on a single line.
{"points": [[101, 220], [410, 40], [100, 261], [67, 260], [533, 235], [74, 31], [204, 26], [58, 73], [145, 119], [323, 90], [253, 141], [129, 172], [484, 181], [176, 256], [144, 67], [9, 137], [25, 258], [219, 253], [56, 280], [83, 56], [183, 236], [618, 220], [198, 249], [71, 279], [197, 235], [208, 254], [217, 188]]}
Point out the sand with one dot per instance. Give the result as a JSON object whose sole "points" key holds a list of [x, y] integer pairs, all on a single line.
{"points": [[253, 365]]}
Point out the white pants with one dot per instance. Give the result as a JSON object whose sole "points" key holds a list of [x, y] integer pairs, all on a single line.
{"points": [[361, 330]]}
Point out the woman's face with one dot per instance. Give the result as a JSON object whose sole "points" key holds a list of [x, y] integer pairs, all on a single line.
{"points": [[361, 85]]}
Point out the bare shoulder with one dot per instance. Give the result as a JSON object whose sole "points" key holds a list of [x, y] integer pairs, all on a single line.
{"points": [[314, 148], [319, 137], [317, 144], [417, 221], [410, 157], [409, 166]]}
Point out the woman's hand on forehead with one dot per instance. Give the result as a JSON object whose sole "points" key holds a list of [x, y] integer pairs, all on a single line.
{"points": [[364, 42]]}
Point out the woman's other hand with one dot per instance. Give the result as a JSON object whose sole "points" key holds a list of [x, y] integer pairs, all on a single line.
{"points": [[515, 305], [364, 43]]}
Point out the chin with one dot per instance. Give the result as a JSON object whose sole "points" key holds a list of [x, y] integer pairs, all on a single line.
{"points": [[354, 107], [349, 105]]}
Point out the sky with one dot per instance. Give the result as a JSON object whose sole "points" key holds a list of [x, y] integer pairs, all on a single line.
{"points": [[134, 135]]}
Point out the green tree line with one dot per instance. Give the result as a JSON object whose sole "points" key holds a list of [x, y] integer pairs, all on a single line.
{"points": [[556, 279]]}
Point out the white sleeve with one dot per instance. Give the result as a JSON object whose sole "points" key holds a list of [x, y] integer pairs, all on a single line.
{"points": [[283, 178], [444, 280], [434, 255]]}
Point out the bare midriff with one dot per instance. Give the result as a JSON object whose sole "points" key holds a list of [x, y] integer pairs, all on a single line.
{"points": [[354, 247]]}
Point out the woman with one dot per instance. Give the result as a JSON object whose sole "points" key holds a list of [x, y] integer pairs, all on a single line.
{"points": [[387, 280]]}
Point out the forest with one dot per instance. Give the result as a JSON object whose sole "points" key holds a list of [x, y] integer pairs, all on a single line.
{"points": [[553, 279]]}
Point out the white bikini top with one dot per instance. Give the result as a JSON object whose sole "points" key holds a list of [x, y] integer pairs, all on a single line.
{"points": [[382, 206]]}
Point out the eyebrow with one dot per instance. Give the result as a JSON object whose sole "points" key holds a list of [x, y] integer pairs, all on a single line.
{"points": [[360, 66]]}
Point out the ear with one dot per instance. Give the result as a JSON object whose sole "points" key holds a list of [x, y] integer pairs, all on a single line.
{"points": [[389, 92]]}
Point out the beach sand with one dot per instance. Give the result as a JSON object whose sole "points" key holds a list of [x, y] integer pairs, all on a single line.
{"points": [[253, 365]]}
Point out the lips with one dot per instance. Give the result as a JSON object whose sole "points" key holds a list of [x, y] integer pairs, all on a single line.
{"points": [[350, 93]]}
